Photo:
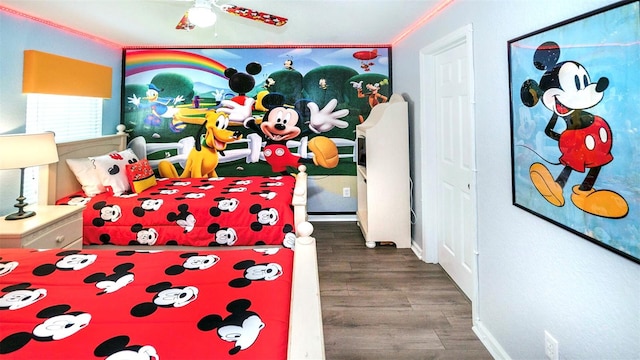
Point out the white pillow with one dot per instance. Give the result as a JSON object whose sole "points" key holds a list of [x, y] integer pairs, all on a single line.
{"points": [[112, 170], [87, 176]]}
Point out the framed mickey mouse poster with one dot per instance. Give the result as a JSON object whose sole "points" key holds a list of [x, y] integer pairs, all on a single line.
{"points": [[575, 125]]}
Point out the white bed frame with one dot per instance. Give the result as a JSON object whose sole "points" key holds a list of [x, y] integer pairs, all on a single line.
{"points": [[306, 338], [59, 181]]}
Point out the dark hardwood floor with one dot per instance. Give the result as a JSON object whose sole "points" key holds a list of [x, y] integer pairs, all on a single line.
{"points": [[385, 303]]}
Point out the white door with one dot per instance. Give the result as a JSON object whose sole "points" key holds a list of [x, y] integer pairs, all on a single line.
{"points": [[454, 188]]}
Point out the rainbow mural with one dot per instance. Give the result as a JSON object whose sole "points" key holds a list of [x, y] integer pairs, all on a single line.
{"points": [[153, 59]]}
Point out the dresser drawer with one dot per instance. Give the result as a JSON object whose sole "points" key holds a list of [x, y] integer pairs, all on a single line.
{"points": [[60, 234]]}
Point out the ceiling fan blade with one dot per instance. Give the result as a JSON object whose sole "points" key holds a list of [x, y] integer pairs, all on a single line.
{"points": [[254, 15], [184, 23]]}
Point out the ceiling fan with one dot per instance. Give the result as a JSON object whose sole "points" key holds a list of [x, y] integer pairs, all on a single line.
{"points": [[201, 14]]}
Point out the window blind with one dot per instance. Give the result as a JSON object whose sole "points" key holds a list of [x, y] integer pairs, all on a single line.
{"points": [[69, 117]]}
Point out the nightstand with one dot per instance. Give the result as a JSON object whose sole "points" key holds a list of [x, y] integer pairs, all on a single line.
{"points": [[51, 227]]}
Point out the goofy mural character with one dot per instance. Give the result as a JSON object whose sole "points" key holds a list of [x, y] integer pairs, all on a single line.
{"points": [[566, 90]]}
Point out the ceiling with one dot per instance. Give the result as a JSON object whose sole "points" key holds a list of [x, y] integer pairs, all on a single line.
{"points": [[131, 23]]}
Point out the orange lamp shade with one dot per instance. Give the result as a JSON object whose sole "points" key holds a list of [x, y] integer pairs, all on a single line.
{"points": [[46, 73]]}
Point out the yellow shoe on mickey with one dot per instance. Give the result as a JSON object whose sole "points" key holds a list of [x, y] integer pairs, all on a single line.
{"points": [[545, 184], [605, 203], [325, 152]]}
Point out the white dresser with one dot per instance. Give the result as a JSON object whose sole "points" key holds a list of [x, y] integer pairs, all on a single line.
{"points": [[384, 197], [51, 227]]}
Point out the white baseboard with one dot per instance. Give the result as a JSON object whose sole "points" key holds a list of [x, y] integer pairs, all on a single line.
{"points": [[417, 250], [489, 341], [332, 217]]}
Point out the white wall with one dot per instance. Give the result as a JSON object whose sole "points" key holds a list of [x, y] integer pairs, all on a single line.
{"points": [[534, 276], [18, 34]]}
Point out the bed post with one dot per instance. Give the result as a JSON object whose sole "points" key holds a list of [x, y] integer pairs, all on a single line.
{"points": [[300, 196], [306, 337]]}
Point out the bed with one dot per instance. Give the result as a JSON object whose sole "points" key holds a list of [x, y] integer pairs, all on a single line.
{"points": [[149, 304], [305, 333], [225, 211]]}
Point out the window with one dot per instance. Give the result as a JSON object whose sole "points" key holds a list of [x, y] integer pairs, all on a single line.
{"points": [[69, 117]]}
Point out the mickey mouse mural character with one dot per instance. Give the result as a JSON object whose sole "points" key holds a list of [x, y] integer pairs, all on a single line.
{"points": [[282, 123], [567, 91]]}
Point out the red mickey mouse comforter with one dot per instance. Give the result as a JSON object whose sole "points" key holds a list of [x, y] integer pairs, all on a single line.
{"points": [[222, 211], [110, 304]]}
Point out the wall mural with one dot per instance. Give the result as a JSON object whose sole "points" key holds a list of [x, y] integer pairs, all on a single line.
{"points": [[575, 140], [251, 111]]}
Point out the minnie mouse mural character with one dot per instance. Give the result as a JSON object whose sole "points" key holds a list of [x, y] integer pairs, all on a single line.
{"points": [[567, 91]]}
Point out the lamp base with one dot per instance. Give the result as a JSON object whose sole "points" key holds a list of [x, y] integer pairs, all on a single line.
{"points": [[20, 215]]}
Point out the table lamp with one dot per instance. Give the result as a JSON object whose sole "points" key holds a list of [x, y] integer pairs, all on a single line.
{"points": [[20, 151]]}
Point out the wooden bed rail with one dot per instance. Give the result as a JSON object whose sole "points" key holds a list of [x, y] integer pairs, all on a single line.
{"points": [[299, 201], [306, 310]]}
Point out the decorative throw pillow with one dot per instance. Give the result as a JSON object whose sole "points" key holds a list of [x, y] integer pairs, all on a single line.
{"points": [[87, 176], [141, 176], [112, 170]]}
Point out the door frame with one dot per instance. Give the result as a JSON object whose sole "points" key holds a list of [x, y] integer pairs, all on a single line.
{"points": [[429, 151]]}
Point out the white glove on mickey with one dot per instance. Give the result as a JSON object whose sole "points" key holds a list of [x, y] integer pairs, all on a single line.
{"points": [[237, 113], [325, 119]]}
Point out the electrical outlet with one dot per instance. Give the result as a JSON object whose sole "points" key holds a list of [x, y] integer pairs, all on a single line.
{"points": [[550, 346], [346, 192]]}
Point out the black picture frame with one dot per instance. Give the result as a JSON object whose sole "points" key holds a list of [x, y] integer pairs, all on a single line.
{"points": [[575, 139]]}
